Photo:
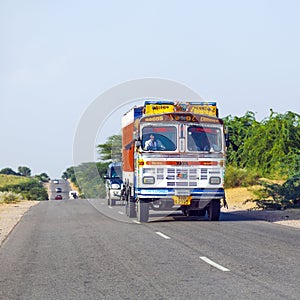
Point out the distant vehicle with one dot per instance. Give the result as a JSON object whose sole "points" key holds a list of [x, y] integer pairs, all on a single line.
{"points": [[58, 190], [56, 181], [113, 183], [73, 195], [58, 197]]}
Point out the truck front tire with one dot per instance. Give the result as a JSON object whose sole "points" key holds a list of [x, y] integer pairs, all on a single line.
{"points": [[130, 208], [214, 210], [142, 211], [112, 202]]}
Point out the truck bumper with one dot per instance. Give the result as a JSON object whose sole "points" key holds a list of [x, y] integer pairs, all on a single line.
{"points": [[193, 198], [200, 194], [115, 194]]}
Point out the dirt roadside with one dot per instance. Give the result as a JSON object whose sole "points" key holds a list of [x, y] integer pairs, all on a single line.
{"points": [[10, 215], [236, 198]]}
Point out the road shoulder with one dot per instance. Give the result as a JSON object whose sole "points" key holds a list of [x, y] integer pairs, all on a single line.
{"points": [[288, 217], [10, 215]]}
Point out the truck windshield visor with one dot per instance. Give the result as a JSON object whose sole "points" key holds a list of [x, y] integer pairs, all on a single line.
{"points": [[159, 138], [202, 138]]}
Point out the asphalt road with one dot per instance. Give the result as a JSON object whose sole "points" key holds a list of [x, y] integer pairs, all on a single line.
{"points": [[65, 188], [83, 249]]}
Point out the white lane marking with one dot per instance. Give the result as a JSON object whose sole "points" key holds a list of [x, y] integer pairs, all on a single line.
{"points": [[120, 212], [109, 206], [212, 263], [163, 235], [137, 222]]}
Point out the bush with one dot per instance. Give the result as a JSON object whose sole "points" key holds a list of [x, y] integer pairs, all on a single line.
{"points": [[276, 196], [30, 189], [236, 177], [10, 197]]}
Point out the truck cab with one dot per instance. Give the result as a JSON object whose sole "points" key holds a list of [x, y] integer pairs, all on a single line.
{"points": [[113, 183], [173, 158]]}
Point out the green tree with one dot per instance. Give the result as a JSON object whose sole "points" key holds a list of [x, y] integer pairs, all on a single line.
{"points": [[112, 149], [89, 179], [239, 130], [8, 171], [24, 171], [42, 177], [70, 174], [273, 148]]}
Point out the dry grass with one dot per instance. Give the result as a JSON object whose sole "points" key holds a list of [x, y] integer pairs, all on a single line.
{"points": [[236, 198], [73, 186]]}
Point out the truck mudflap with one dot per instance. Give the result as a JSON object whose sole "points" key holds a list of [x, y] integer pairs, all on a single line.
{"points": [[225, 204]]}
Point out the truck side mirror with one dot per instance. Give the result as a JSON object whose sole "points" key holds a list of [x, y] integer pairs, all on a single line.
{"points": [[138, 143], [135, 136]]}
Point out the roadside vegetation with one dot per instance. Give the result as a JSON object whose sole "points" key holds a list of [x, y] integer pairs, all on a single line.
{"points": [[271, 148], [262, 156], [88, 177], [16, 186], [10, 197], [261, 153]]}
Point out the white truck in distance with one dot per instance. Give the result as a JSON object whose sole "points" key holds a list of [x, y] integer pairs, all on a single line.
{"points": [[73, 195]]}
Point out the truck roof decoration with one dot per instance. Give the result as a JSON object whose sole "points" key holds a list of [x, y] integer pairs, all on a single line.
{"points": [[162, 107]]}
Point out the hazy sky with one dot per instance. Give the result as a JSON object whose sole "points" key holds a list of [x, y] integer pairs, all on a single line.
{"points": [[56, 57]]}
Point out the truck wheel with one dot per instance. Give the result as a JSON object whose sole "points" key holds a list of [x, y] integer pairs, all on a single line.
{"points": [[142, 211], [130, 208], [213, 210]]}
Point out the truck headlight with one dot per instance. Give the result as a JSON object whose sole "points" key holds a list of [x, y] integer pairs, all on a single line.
{"points": [[214, 180], [115, 186], [148, 180]]}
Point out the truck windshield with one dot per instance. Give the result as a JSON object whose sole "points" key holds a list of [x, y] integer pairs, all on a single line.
{"points": [[116, 172], [204, 139], [159, 138]]}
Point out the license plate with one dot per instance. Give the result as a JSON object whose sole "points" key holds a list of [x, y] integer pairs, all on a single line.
{"points": [[182, 200]]}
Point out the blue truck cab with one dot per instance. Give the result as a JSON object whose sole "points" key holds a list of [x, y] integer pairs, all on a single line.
{"points": [[113, 183]]}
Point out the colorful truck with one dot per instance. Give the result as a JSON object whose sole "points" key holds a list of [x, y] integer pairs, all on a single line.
{"points": [[173, 158]]}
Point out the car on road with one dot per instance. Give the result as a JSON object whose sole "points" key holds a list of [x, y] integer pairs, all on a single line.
{"points": [[58, 190], [56, 181], [58, 197]]}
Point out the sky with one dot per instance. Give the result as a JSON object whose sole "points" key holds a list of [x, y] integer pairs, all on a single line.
{"points": [[57, 57]]}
